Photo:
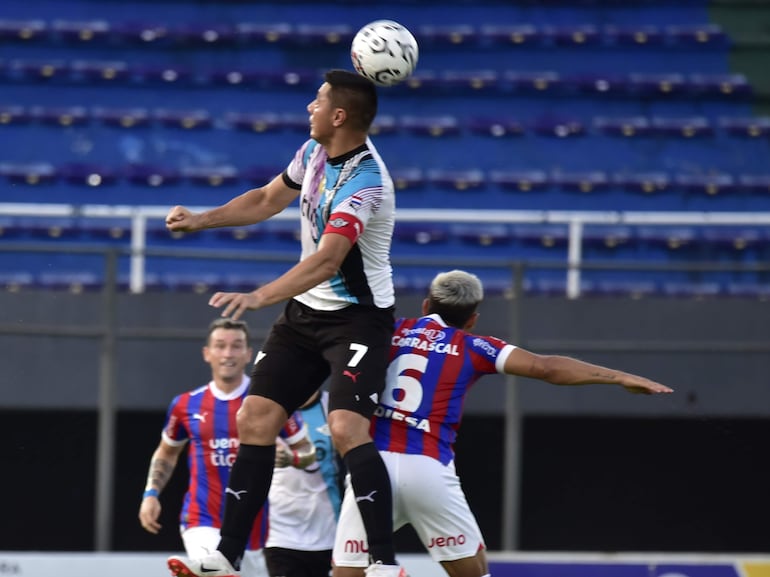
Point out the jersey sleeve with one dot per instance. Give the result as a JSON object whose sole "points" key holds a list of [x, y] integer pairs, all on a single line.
{"points": [[295, 172], [356, 201], [294, 429], [175, 431], [490, 353]]}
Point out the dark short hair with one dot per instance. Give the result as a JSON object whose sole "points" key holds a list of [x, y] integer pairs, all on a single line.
{"points": [[228, 324], [355, 94]]}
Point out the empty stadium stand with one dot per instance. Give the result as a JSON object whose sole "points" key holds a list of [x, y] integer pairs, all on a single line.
{"points": [[573, 106]]}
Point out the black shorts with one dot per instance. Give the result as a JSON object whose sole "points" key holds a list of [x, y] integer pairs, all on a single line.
{"points": [[292, 563], [350, 347]]}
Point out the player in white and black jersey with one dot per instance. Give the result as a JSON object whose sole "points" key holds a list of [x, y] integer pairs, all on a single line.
{"points": [[337, 323]]}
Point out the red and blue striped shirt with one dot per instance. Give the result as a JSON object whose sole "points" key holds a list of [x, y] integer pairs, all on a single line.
{"points": [[432, 368], [205, 417]]}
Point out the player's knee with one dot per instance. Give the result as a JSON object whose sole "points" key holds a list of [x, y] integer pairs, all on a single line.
{"points": [[259, 420], [348, 430]]}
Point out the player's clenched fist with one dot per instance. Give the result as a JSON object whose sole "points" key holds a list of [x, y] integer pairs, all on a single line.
{"points": [[180, 219]]}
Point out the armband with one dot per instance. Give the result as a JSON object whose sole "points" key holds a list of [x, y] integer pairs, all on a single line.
{"points": [[151, 492]]}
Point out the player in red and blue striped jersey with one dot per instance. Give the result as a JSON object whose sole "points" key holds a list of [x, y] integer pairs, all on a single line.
{"points": [[204, 419], [434, 361]]}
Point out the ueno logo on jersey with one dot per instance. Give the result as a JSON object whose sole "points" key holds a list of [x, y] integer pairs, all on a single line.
{"points": [[421, 345], [448, 541], [223, 455], [416, 422], [356, 546], [485, 346], [430, 334]]}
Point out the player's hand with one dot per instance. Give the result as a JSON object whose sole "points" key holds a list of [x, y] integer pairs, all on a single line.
{"points": [[642, 386], [180, 219], [235, 303], [283, 456], [149, 513]]}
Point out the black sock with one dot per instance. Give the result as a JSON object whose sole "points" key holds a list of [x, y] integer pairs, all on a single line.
{"points": [[245, 495], [371, 486]]}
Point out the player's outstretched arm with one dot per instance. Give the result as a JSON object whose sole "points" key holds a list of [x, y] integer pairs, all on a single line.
{"points": [[162, 465], [252, 206], [313, 270], [560, 370]]}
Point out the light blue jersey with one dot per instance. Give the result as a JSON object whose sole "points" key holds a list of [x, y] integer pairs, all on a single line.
{"points": [[305, 504]]}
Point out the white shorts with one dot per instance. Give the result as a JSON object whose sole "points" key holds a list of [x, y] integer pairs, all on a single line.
{"points": [[428, 496], [200, 541]]}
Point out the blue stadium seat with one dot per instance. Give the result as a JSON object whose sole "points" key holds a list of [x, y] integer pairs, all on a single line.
{"points": [[92, 71], [734, 238], [421, 234], [213, 176], [14, 282], [647, 183], [708, 184], [697, 35], [29, 173], [497, 127], [319, 34], [258, 33], [61, 115], [14, 115], [510, 34], [123, 117], [524, 81], [558, 127], [197, 33], [463, 180], [662, 84], [752, 127], [631, 288], [74, 282], [132, 32], [720, 85], [384, 124], [435, 126], [698, 290], [634, 35], [88, 174], [573, 35], [449, 34], [520, 180], [758, 184], [185, 119], [628, 126], [88, 31], [544, 235], [672, 238], [151, 175], [692, 127], [104, 228], [408, 178], [255, 122], [25, 30], [589, 181], [483, 235]]}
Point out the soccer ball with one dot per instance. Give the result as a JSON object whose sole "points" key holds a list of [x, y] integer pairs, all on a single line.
{"points": [[385, 52]]}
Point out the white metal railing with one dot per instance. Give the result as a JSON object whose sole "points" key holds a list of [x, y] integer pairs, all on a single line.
{"points": [[574, 220]]}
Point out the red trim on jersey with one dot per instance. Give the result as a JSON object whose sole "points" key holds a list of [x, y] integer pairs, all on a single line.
{"points": [[345, 224]]}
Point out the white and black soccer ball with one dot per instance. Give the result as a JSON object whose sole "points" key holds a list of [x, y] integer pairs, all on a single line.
{"points": [[385, 52]]}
